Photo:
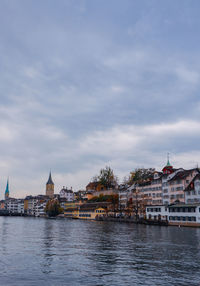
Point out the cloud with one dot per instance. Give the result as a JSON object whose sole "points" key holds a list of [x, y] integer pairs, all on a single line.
{"points": [[84, 86]]}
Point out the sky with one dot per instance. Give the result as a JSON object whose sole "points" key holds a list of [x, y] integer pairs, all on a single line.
{"points": [[86, 84]]}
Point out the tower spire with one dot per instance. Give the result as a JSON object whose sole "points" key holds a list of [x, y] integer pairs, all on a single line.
{"points": [[7, 190], [168, 163], [50, 181]]}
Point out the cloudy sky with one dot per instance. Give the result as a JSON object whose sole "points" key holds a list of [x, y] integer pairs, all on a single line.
{"points": [[89, 83]]}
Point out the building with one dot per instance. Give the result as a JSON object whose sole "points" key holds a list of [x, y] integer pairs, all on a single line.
{"points": [[40, 208], [67, 194], [159, 212], [175, 214], [125, 195], [89, 211], [166, 187], [14, 206], [50, 187], [34, 205], [95, 187], [175, 184], [192, 191]]}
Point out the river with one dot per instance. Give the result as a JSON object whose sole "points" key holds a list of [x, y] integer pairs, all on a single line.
{"points": [[37, 251]]}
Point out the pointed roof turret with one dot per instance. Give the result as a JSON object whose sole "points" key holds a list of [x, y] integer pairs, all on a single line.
{"points": [[168, 163], [50, 182], [168, 169]]}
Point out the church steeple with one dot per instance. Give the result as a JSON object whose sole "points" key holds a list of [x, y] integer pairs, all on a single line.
{"points": [[50, 182], [7, 190], [50, 187]]}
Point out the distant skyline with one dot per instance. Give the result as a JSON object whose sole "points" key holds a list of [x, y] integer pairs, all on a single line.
{"points": [[85, 84]]}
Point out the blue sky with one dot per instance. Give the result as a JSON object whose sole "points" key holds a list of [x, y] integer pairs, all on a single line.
{"points": [[85, 84]]}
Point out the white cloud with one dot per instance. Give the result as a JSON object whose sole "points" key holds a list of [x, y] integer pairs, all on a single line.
{"points": [[187, 75]]}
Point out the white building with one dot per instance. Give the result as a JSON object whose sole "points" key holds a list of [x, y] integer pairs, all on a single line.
{"points": [[157, 212], [11, 205], [40, 209], [177, 214], [67, 194]]}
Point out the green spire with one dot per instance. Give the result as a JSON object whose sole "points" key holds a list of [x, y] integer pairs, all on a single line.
{"points": [[7, 190], [168, 163]]}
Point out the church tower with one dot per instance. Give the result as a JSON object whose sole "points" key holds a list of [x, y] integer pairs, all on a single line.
{"points": [[7, 191], [50, 187]]}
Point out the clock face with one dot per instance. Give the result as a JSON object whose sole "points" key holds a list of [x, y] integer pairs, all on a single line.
{"points": [[197, 185]]}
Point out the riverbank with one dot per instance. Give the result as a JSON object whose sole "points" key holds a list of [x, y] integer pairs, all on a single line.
{"points": [[131, 220]]}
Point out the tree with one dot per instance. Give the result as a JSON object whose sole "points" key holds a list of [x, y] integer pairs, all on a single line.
{"points": [[141, 174], [53, 208], [107, 177]]}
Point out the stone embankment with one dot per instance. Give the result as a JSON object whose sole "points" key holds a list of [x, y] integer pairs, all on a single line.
{"points": [[132, 220]]}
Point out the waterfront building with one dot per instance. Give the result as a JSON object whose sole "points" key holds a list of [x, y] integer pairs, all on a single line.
{"points": [[50, 187], [62, 202], [20, 206], [40, 208], [159, 212], [35, 204], [88, 210], [72, 212], [175, 214], [91, 211], [11, 205], [7, 192], [14, 206], [30, 203]]}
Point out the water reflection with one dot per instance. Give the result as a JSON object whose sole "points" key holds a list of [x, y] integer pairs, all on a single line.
{"points": [[4, 234], [47, 246]]}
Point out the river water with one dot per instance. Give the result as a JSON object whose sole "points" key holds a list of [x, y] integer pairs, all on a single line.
{"points": [[36, 251]]}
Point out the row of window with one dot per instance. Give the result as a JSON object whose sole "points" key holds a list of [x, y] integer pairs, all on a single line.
{"points": [[84, 215], [153, 209], [189, 193], [151, 189], [179, 196], [100, 211], [183, 209], [177, 182], [193, 201], [182, 218], [177, 189]]}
